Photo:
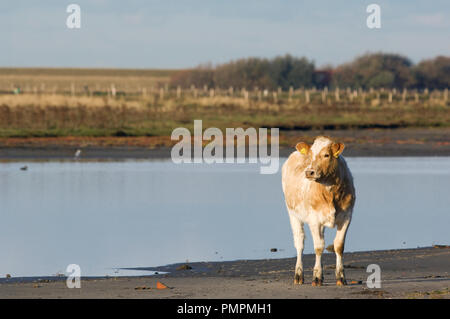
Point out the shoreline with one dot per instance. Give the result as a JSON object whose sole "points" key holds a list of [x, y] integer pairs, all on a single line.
{"points": [[405, 273], [163, 153], [358, 143]]}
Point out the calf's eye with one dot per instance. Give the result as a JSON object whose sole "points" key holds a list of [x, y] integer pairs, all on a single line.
{"points": [[326, 155]]}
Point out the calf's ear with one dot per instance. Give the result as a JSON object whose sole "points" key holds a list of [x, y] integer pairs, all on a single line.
{"points": [[337, 149], [303, 148]]}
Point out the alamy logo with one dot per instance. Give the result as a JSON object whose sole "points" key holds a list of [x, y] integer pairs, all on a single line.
{"points": [[213, 151], [374, 279], [374, 19], [74, 278], [74, 19]]}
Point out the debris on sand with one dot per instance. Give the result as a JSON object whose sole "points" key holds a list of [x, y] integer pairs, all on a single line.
{"points": [[184, 267], [160, 285], [274, 250], [142, 288], [24, 168]]}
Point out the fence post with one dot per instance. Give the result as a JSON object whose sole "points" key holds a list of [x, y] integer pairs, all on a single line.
{"points": [[113, 90], [245, 94], [307, 96], [336, 94]]}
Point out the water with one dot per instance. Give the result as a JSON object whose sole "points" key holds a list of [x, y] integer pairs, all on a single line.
{"points": [[107, 215]]}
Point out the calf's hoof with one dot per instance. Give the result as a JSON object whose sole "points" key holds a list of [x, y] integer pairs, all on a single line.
{"points": [[317, 282], [341, 282], [298, 280]]}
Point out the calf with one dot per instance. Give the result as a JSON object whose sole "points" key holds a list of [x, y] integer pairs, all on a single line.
{"points": [[318, 190]]}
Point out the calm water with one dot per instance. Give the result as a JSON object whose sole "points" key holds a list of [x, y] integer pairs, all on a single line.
{"points": [[106, 215]]}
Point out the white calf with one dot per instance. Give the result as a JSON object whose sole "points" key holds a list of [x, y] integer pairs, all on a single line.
{"points": [[318, 190]]}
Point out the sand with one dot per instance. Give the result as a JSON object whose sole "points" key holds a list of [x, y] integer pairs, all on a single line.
{"points": [[405, 273]]}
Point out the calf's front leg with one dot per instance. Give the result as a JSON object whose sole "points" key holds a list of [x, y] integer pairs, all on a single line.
{"points": [[299, 240], [317, 232]]}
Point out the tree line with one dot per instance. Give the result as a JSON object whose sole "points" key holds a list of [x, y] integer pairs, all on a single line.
{"points": [[372, 70]]}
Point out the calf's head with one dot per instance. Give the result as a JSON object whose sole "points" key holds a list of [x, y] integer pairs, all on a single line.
{"points": [[323, 158]]}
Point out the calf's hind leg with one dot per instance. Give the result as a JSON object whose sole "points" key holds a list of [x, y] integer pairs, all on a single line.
{"points": [[338, 244], [299, 240]]}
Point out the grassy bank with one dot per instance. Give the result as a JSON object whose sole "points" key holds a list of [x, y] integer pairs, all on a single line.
{"points": [[40, 115]]}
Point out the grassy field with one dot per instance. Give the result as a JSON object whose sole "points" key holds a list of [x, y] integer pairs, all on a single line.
{"points": [[80, 81], [81, 102], [64, 115]]}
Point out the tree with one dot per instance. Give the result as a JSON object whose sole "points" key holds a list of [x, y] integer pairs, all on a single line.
{"points": [[244, 73], [200, 76], [433, 73], [287, 71], [375, 70]]}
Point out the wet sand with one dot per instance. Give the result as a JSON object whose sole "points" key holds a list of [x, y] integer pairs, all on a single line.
{"points": [[405, 273]]}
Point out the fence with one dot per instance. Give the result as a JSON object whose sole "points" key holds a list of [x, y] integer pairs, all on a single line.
{"points": [[371, 97]]}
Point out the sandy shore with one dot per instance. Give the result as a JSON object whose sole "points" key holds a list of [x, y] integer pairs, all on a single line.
{"points": [[366, 142], [406, 273]]}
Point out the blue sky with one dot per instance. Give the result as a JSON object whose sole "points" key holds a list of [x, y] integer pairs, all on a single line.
{"points": [[179, 34]]}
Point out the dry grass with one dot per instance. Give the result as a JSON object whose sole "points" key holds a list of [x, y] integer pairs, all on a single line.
{"points": [[25, 115]]}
